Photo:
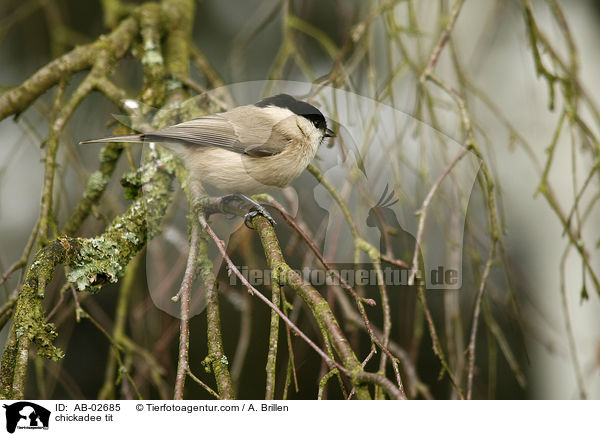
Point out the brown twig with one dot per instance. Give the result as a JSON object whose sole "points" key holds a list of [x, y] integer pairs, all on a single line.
{"points": [[204, 385], [442, 41], [476, 309], [24, 257], [422, 212], [115, 347], [184, 296]]}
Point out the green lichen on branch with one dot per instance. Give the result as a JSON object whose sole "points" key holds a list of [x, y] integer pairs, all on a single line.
{"points": [[29, 324], [92, 262], [104, 258], [29, 318], [132, 184], [149, 53], [99, 260]]}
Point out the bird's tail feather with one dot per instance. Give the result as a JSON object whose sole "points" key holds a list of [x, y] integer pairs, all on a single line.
{"points": [[126, 138]]}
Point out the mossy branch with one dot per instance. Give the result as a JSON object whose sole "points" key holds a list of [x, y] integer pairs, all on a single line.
{"points": [[92, 263], [81, 58], [318, 306]]}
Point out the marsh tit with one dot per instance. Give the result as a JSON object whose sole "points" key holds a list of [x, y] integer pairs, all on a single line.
{"points": [[248, 149]]}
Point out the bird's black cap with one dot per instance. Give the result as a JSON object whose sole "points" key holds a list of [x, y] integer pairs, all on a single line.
{"points": [[301, 108]]}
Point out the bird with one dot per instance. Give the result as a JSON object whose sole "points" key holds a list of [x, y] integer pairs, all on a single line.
{"points": [[246, 150]]}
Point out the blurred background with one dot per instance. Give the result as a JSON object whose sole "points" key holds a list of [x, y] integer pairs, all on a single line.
{"points": [[539, 334]]}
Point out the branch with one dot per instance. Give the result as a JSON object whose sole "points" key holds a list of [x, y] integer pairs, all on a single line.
{"points": [[318, 306], [184, 296], [83, 57], [476, 310], [92, 263], [445, 36]]}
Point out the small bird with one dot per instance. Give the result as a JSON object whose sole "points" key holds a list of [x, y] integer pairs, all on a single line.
{"points": [[248, 149]]}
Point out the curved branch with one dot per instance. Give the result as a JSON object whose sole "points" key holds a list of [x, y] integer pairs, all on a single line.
{"points": [[81, 58], [92, 263]]}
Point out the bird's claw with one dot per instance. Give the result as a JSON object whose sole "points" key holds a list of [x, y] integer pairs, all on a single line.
{"points": [[257, 210]]}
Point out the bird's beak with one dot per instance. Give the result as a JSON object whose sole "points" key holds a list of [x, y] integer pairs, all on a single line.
{"points": [[329, 133]]}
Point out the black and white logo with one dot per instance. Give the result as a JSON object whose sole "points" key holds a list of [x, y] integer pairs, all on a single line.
{"points": [[26, 415]]}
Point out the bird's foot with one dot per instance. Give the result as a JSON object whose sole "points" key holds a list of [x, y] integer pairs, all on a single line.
{"points": [[256, 208], [257, 211]]}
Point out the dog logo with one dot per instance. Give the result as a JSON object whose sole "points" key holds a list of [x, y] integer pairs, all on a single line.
{"points": [[26, 415]]}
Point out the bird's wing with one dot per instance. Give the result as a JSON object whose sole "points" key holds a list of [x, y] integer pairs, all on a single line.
{"points": [[215, 131]]}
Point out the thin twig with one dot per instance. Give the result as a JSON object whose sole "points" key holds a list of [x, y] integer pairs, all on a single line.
{"points": [[476, 310], [569, 327], [24, 257], [204, 385], [422, 212], [184, 296], [442, 41], [115, 347]]}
